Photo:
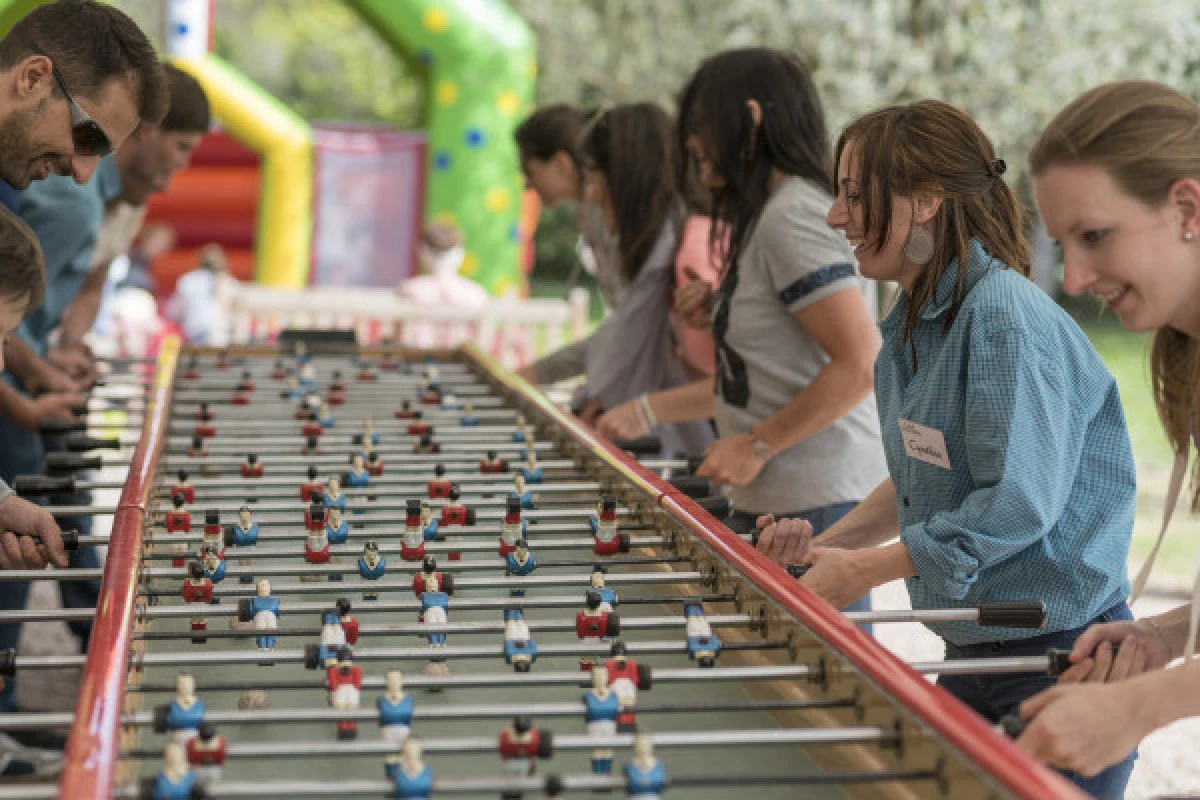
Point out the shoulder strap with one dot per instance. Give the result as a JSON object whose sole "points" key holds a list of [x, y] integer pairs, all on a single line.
{"points": [[1174, 486]]}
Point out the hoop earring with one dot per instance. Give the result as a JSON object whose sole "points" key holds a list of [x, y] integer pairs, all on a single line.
{"points": [[920, 245]]}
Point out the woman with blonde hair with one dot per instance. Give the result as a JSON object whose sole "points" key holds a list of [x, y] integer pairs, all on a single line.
{"points": [[1011, 474], [1117, 176]]}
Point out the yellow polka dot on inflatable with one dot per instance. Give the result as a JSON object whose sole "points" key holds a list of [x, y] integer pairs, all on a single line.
{"points": [[470, 265], [531, 68], [508, 103], [435, 20], [503, 285], [497, 199], [447, 92], [446, 218]]}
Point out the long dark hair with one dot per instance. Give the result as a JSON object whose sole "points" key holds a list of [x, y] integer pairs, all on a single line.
{"points": [[792, 137], [931, 146], [633, 146]]}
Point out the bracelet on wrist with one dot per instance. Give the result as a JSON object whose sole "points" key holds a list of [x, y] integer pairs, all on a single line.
{"points": [[647, 413], [1162, 636]]}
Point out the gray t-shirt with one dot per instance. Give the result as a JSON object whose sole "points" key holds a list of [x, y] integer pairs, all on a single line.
{"points": [[791, 260]]}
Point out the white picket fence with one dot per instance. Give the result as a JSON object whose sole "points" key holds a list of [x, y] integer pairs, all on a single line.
{"points": [[510, 330]]}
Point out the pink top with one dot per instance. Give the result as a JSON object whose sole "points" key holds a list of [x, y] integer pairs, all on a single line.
{"points": [[695, 346]]}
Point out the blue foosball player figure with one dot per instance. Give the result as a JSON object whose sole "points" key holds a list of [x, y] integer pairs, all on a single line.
{"points": [[175, 781], [520, 650], [469, 418], [412, 778], [357, 477], [395, 709], [531, 472], [520, 562], [371, 566], [645, 775], [263, 611], [337, 530], [702, 644], [601, 706], [181, 718], [521, 493], [244, 533], [333, 495]]}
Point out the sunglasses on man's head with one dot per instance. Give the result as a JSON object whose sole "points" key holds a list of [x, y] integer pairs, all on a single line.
{"points": [[86, 134]]}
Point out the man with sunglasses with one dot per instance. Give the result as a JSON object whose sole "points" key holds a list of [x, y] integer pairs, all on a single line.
{"points": [[76, 78]]}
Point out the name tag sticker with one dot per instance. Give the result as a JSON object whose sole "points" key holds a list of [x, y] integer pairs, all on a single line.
{"points": [[924, 444]]}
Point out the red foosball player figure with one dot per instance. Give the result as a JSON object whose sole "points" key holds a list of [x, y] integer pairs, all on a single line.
{"points": [[333, 398], [280, 372], [492, 464], [205, 428], [178, 520], [374, 464], [199, 590], [312, 486], [198, 448], [192, 372], [419, 428], [345, 685], [365, 372], [608, 541], [314, 515], [312, 446], [206, 754], [429, 395], [348, 621], [596, 622], [625, 677], [239, 398], [316, 543], [514, 527], [439, 488], [214, 534], [183, 487], [336, 384], [243, 390], [412, 544], [454, 512], [430, 580], [406, 411], [252, 467], [426, 446], [223, 361], [312, 426], [521, 745]]}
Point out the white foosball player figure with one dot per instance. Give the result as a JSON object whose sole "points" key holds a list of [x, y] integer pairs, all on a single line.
{"points": [[263, 609]]}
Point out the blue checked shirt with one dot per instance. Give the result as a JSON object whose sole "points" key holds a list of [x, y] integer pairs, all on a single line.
{"points": [[1038, 501]]}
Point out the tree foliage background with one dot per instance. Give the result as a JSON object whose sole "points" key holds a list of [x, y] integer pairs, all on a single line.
{"points": [[1009, 63]]}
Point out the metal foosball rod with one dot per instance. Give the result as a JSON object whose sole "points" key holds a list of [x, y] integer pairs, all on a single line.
{"points": [[292, 516], [1051, 664]]}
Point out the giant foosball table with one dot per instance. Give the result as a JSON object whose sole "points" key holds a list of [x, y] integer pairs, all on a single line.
{"points": [[346, 572]]}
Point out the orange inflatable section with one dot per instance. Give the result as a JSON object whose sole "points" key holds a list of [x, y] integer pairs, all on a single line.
{"points": [[213, 200]]}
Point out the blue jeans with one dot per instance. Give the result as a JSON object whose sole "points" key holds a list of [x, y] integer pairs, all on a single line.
{"points": [[993, 696], [821, 519]]}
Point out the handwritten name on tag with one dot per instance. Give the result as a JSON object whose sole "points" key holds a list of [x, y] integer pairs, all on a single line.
{"points": [[924, 444]]}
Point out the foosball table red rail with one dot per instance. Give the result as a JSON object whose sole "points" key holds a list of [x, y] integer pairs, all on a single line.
{"points": [[89, 770], [91, 757]]}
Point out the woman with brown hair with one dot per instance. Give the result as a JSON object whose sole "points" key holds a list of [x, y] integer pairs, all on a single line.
{"points": [[1117, 176], [1011, 470], [628, 158]]}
